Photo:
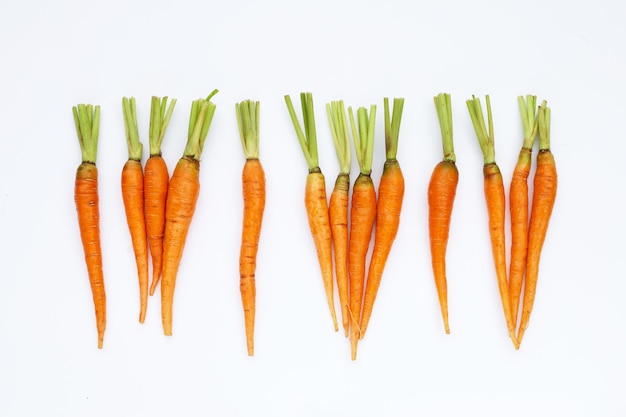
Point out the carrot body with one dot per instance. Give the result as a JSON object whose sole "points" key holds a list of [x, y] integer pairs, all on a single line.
{"points": [[87, 207], [132, 194], [338, 209], [253, 179], [388, 209], [441, 194], [156, 181]]}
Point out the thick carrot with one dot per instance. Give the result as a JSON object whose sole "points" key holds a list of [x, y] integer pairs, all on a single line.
{"points": [[544, 196], [518, 203], [132, 195], [441, 194], [87, 121], [156, 181], [315, 200], [494, 197], [253, 179], [388, 208], [338, 207], [362, 217], [182, 195]]}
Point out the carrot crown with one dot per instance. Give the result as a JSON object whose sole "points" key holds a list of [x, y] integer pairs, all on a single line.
{"points": [[528, 110], [159, 119], [364, 141], [544, 126], [135, 148], [202, 111], [392, 127], [87, 122], [444, 113], [485, 138], [339, 130], [248, 122], [308, 138]]}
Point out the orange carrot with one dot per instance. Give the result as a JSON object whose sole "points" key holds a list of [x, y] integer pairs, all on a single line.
{"points": [[182, 196], [362, 217], [544, 196], [87, 121], [389, 206], [494, 197], [338, 207], [253, 179], [156, 181], [441, 194], [132, 194], [315, 200], [518, 203]]}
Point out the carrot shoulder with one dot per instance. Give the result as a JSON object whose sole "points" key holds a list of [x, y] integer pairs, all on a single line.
{"points": [[87, 122]]}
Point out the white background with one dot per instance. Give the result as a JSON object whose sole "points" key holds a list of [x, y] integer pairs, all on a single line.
{"points": [[57, 54]]}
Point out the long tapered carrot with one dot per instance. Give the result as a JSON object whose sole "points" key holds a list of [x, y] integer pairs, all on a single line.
{"points": [[441, 194], [518, 203], [253, 179], [87, 122], [494, 197], [362, 217], [338, 207], [544, 196], [182, 195], [156, 181], [315, 200], [388, 209]]}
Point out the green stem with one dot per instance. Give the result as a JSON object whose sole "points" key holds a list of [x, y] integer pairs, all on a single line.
{"points": [[200, 118], [135, 148], [339, 130], [364, 141], [159, 120], [308, 138], [485, 138], [248, 122], [528, 110], [544, 126], [444, 113], [87, 123], [392, 128]]}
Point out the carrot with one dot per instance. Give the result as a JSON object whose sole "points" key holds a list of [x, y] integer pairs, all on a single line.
{"points": [[544, 196], [441, 194], [494, 197], [253, 179], [315, 200], [338, 207], [87, 122], [389, 206], [182, 195], [518, 203], [362, 217], [156, 181]]}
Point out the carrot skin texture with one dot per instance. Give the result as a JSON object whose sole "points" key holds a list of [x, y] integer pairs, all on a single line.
{"points": [[87, 207], [441, 194], [156, 181], [388, 209], [183, 191], [253, 179], [362, 216], [338, 209], [544, 196]]}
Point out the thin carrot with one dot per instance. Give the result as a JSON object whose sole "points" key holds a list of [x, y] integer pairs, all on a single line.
{"points": [[494, 197], [441, 194], [362, 217], [156, 181], [544, 196], [182, 195], [315, 200], [388, 208], [253, 179], [338, 207], [518, 203], [87, 122]]}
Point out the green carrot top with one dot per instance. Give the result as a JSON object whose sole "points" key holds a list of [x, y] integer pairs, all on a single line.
{"points": [[202, 111], [248, 122], [444, 113], [135, 148], [159, 119], [339, 130], [392, 127], [528, 111], [87, 122], [308, 138], [364, 141], [485, 139], [544, 126]]}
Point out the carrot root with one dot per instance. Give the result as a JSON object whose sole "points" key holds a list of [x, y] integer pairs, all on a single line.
{"points": [[338, 210], [156, 181]]}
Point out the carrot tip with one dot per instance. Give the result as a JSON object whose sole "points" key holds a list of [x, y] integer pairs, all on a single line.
{"points": [[100, 340], [250, 350]]}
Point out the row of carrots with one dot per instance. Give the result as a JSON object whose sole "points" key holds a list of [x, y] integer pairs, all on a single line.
{"points": [[159, 209]]}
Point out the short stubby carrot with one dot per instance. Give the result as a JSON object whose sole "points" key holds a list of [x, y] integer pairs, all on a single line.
{"points": [[87, 121]]}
